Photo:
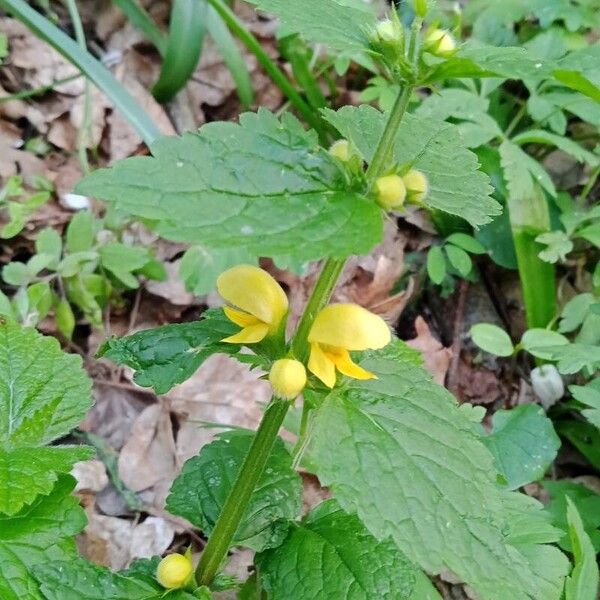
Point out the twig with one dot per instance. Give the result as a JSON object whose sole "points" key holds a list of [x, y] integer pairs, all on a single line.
{"points": [[452, 379]]}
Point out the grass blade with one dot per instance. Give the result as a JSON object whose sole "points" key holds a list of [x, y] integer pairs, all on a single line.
{"points": [[232, 56], [86, 63], [144, 22], [186, 35]]}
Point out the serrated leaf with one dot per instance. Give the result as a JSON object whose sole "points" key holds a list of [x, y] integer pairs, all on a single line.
{"points": [[582, 584], [44, 393], [589, 395], [558, 245], [165, 356], [491, 61], [200, 490], [523, 443], [79, 579], [37, 534], [340, 26], [434, 147], [574, 357], [332, 555], [402, 437], [264, 185], [539, 136]]}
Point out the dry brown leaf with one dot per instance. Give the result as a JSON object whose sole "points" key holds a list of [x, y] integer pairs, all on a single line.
{"points": [[221, 391], [435, 356], [148, 456], [173, 288], [90, 475]]}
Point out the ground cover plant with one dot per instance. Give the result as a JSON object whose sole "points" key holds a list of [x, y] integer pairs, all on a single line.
{"points": [[446, 132]]}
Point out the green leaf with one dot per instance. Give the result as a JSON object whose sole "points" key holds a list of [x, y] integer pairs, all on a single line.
{"points": [[539, 136], [582, 584], [80, 232], [591, 233], [65, 319], [402, 437], [436, 265], [491, 61], [200, 266], [534, 339], [584, 436], [590, 396], [492, 339], [200, 490], [50, 243], [558, 245], [459, 259], [167, 355], [434, 147], [466, 242], [523, 443], [16, 273], [574, 357], [264, 185], [522, 173], [332, 555], [574, 312], [467, 109], [37, 534], [44, 393], [78, 579], [340, 26]]}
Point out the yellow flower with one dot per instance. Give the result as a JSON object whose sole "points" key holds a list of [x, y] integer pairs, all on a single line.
{"points": [[341, 150], [174, 571], [337, 329], [440, 43], [260, 303], [391, 191], [287, 377], [416, 185]]}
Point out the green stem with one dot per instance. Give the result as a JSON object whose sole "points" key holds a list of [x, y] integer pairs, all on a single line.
{"points": [[254, 464], [588, 186], [303, 435], [386, 142], [239, 496], [516, 120], [274, 72], [39, 90]]}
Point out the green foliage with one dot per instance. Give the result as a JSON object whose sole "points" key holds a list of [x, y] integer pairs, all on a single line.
{"points": [[425, 452], [263, 185], [589, 396], [44, 394], [38, 533], [582, 584], [79, 579], [523, 443], [19, 204], [165, 356], [492, 339], [433, 147], [200, 490], [331, 555]]}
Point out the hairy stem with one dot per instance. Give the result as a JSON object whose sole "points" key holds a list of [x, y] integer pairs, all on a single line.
{"points": [[254, 464]]}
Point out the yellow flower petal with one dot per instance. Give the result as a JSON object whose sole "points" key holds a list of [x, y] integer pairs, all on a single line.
{"points": [[239, 317], [347, 366], [349, 326], [320, 365], [287, 377], [255, 292], [249, 335]]}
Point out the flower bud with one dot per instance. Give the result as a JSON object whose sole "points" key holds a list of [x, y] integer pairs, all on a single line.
{"points": [[391, 191], [421, 8], [547, 385], [440, 42], [416, 185], [287, 377], [174, 571], [340, 150], [388, 32]]}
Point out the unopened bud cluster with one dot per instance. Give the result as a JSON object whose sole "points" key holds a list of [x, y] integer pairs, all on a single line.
{"points": [[393, 190]]}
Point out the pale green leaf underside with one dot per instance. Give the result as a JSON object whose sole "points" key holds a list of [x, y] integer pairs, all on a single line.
{"points": [[434, 147], [410, 463], [165, 356], [332, 22], [264, 185], [331, 555], [80, 579], [44, 393], [200, 490], [38, 534], [523, 443]]}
